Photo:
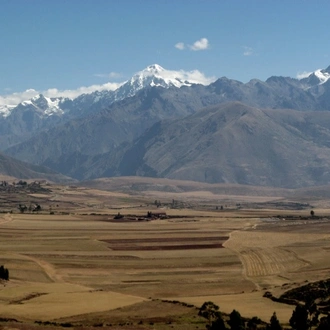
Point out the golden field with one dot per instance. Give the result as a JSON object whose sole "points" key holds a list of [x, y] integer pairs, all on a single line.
{"points": [[80, 265]]}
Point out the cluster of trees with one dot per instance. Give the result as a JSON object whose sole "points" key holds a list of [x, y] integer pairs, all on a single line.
{"points": [[4, 273], [216, 321], [32, 208], [158, 203], [304, 317]]}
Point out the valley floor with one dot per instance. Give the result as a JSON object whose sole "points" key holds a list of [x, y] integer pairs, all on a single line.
{"points": [[84, 268]]}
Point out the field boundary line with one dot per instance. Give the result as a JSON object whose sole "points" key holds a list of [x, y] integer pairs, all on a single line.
{"points": [[47, 268]]}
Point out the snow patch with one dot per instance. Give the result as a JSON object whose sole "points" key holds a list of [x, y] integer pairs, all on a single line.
{"points": [[322, 75], [6, 110]]}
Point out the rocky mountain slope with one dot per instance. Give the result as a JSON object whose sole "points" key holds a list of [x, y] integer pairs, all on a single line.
{"points": [[230, 143], [65, 146], [156, 124], [18, 123], [20, 170]]}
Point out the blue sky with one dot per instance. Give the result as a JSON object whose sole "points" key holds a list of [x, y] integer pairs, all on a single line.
{"points": [[67, 44]]}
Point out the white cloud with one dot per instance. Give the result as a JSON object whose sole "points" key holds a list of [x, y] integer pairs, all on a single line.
{"points": [[201, 44], [180, 46], [111, 75], [196, 76], [16, 98], [302, 75], [248, 51]]}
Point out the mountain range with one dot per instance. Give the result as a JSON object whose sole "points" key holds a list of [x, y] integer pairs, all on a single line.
{"points": [[161, 124], [17, 169]]}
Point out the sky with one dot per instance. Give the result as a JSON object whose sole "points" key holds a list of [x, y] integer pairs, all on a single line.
{"points": [[67, 47]]}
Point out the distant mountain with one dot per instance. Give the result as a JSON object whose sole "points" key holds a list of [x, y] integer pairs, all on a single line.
{"points": [[65, 147], [22, 121], [41, 105], [156, 76], [230, 143], [153, 75], [99, 134], [18, 123]]}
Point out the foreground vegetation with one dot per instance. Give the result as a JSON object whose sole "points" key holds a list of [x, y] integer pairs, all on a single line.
{"points": [[303, 317]]}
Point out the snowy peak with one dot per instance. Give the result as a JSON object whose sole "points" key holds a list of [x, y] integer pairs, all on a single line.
{"points": [[40, 104], [318, 77], [156, 75], [45, 105], [154, 68]]}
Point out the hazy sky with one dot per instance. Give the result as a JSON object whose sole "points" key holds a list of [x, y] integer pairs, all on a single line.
{"points": [[67, 44]]}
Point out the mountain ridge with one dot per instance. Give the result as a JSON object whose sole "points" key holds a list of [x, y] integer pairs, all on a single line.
{"points": [[234, 143], [152, 75], [98, 137]]}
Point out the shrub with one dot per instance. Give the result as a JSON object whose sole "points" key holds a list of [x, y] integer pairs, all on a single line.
{"points": [[4, 273]]}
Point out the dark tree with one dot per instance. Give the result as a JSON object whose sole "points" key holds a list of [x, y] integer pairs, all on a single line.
{"points": [[36, 208], [299, 318], [274, 323], [324, 323], [118, 216], [22, 183], [313, 313], [253, 323], [4, 273], [235, 321], [22, 208], [312, 213], [210, 311], [218, 324]]}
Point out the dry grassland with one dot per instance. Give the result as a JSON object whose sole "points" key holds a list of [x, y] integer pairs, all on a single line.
{"points": [[79, 264]]}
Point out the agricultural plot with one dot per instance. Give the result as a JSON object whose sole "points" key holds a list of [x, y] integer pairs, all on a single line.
{"points": [[76, 265]]}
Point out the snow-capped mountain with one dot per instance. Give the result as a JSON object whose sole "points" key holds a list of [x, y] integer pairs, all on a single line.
{"points": [[95, 129], [41, 112], [41, 105], [318, 77], [153, 75], [44, 105]]}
